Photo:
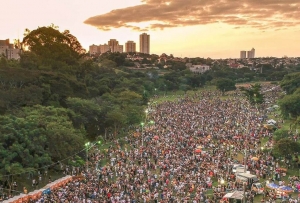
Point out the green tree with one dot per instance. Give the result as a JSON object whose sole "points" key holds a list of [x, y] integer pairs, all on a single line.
{"points": [[54, 48], [286, 147], [224, 84], [3, 62], [290, 105], [116, 117], [290, 82], [87, 113], [280, 134], [253, 94]]}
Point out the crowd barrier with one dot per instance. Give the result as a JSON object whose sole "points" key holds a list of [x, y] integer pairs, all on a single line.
{"points": [[36, 194]]}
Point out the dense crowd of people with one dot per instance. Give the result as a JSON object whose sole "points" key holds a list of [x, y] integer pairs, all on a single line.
{"points": [[187, 155]]}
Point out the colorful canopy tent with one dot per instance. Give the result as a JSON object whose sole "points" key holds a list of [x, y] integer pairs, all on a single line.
{"points": [[272, 186], [285, 189]]}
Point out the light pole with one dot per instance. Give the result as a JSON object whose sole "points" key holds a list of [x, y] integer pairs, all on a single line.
{"points": [[142, 124], [87, 155], [244, 188], [245, 161], [89, 145]]}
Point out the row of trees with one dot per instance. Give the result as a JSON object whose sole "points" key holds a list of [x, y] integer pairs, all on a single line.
{"points": [[286, 141]]}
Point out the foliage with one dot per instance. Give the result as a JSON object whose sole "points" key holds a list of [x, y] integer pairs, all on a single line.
{"points": [[52, 47], [117, 58], [224, 84], [290, 105], [280, 134], [87, 114], [285, 147], [290, 82], [37, 136], [253, 94]]}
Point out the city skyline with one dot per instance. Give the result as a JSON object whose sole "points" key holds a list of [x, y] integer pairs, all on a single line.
{"points": [[189, 28]]}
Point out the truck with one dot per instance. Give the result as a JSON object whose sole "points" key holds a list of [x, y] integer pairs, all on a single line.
{"points": [[251, 182], [257, 188]]}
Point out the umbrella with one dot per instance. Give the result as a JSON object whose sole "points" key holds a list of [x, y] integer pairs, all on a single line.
{"points": [[272, 186], [199, 147], [285, 189], [198, 150], [254, 158], [156, 137]]}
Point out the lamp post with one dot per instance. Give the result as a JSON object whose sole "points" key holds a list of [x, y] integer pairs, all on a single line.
{"points": [[87, 154], [245, 160], [244, 188], [142, 124], [89, 145]]}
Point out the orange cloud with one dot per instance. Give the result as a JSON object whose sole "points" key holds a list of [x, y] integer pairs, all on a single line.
{"points": [[260, 14]]}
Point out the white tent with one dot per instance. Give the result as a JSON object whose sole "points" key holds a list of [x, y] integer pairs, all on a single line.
{"points": [[235, 195], [271, 121]]}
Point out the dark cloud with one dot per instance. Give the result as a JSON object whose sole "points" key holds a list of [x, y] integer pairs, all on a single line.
{"points": [[260, 14]]}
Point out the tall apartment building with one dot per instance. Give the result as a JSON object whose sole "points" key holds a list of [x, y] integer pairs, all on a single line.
{"points": [[94, 50], [145, 43], [130, 46], [104, 48], [251, 53], [8, 50], [114, 46], [120, 48], [243, 54]]}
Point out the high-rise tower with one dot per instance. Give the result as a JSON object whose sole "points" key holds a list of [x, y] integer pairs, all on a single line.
{"points": [[145, 43], [130, 46]]}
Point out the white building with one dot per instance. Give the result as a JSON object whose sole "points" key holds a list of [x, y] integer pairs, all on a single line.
{"points": [[199, 68]]}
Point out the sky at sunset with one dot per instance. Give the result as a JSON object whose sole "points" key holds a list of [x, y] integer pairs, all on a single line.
{"points": [[204, 28]]}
